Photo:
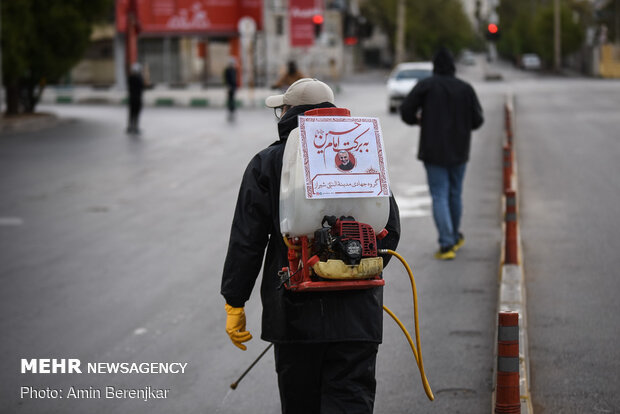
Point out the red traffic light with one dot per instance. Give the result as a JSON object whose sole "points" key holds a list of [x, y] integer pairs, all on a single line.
{"points": [[317, 19], [492, 28]]}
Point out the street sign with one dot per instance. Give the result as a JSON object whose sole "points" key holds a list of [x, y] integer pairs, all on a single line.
{"points": [[301, 26], [246, 26], [219, 17]]}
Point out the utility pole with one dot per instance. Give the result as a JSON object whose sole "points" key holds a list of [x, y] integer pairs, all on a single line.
{"points": [[1, 74], [131, 35], [617, 21], [400, 31], [557, 37]]}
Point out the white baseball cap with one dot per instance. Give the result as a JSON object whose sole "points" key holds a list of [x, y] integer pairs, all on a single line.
{"points": [[306, 91]]}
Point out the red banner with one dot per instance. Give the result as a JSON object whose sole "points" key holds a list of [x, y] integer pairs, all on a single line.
{"points": [[190, 16], [300, 20]]}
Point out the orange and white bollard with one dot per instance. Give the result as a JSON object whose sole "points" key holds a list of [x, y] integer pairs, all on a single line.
{"points": [[507, 394], [508, 122], [507, 167], [511, 255], [509, 136]]}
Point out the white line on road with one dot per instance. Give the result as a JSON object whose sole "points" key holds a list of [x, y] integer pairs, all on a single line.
{"points": [[11, 221], [414, 201]]}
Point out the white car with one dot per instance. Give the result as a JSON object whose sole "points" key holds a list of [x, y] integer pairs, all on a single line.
{"points": [[402, 80], [531, 61], [468, 57]]}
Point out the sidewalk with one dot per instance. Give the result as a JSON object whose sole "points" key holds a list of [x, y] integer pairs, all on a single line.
{"points": [[190, 96], [27, 122]]}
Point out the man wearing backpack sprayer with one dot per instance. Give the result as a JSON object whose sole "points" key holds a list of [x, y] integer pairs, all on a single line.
{"points": [[325, 342]]}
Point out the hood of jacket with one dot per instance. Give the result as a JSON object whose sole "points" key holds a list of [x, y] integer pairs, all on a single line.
{"points": [[443, 63], [289, 120]]}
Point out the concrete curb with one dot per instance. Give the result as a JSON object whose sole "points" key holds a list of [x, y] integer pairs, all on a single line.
{"points": [[192, 96], [512, 294], [27, 122]]}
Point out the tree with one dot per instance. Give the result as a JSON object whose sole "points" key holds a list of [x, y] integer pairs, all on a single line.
{"points": [[518, 34], [429, 24], [530, 29], [438, 23], [41, 41], [571, 37], [608, 16]]}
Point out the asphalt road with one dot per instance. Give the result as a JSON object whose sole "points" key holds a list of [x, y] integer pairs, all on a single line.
{"points": [[568, 144], [112, 249]]}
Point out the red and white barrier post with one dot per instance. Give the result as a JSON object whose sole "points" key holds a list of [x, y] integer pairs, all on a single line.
{"points": [[507, 167], [507, 396], [511, 251]]}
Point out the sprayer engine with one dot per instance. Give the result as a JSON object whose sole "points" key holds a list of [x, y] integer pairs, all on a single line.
{"points": [[342, 256], [344, 239]]}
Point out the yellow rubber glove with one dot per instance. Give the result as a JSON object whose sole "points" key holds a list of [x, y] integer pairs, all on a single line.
{"points": [[235, 326]]}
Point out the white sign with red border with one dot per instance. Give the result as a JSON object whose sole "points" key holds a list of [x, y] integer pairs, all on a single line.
{"points": [[343, 157]]}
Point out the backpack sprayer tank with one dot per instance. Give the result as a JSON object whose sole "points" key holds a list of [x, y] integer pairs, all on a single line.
{"points": [[332, 241]]}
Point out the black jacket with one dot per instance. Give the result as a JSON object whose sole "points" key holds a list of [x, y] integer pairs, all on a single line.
{"points": [[230, 77], [290, 317], [449, 111], [136, 87]]}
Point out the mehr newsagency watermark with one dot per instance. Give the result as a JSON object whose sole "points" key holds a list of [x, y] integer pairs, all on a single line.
{"points": [[75, 366]]}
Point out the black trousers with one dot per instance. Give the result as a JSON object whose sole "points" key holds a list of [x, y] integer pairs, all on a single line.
{"points": [[327, 378], [134, 114], [230, 102]]}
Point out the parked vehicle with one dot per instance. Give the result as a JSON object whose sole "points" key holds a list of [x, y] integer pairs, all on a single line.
{"points": [[402, 80], [531, 61], [468, 57]]}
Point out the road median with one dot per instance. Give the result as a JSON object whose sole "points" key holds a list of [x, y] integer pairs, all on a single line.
{"points": [[512, 292]]}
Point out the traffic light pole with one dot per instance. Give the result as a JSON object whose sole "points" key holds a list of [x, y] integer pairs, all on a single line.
{"points": [[492, 52]]}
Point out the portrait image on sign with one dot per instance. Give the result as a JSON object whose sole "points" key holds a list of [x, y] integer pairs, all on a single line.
{"points": [[343, 157]]}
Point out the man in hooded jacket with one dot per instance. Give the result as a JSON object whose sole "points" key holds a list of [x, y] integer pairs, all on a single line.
{"points": [[447, 110], [230, 80], [135, 82], [325, 342]]}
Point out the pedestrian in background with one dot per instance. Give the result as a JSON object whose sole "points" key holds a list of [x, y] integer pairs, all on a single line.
{"points": [[325, 342], [135, 85], [291, 76], [447, 110], [230, 79]]}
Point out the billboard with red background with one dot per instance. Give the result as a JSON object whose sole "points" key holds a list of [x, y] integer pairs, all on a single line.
{"points": [[216, 17], [300, 20]]}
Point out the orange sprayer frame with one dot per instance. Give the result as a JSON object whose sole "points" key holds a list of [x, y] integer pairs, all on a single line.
{"points": [[303, 280]]}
